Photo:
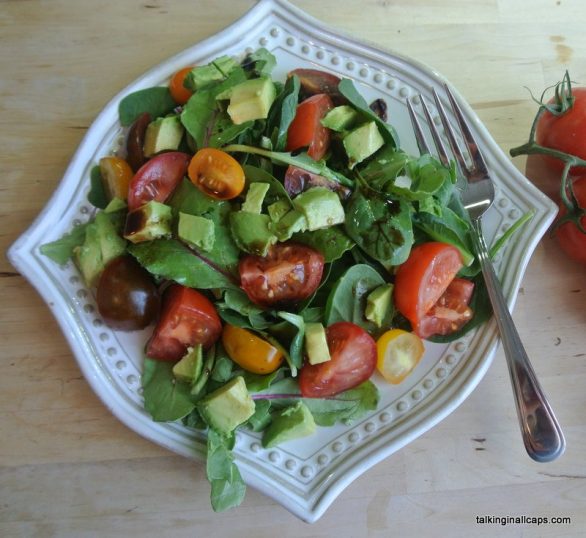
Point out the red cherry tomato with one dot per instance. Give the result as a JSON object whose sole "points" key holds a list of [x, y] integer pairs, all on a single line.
{"points": [[157, 178], [423, 278], [306, 129], [288, 274], [566, 132], [569, 236], [451, 312], [314, 81], [187, 318], [135, 141], [178, 91], [353, 360]]}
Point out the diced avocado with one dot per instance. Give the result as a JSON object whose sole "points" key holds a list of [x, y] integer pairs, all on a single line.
{"points": [[251, 100], [292, 223], [227, 407], [150, 221], [163, 134], [255, 196], [251, 232], [196, 231], [322, 208], [379, 305], [111, 244], [316, 344], [278, 210], [341, 118], [115, 204], [290, 423], [189, 367], [206, 75], [362, 142]]}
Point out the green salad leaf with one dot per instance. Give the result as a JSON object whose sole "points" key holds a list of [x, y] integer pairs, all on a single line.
{"points": [[156, 101]]}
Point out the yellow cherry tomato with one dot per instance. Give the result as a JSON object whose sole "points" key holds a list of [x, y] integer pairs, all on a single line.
{"points": [[398, 353], [116, 175], [250, 351]]}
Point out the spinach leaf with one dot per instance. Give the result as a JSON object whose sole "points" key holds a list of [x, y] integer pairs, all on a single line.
{"points": [[237, 309], [380, 226], [332, 242], [97, 195], [296, 344], [347, 299], [156, 101], [384, 167], [61, 250], [228, 488], [282, 113], [258, 382], [169, 259], [276, 191], [165, 398]]}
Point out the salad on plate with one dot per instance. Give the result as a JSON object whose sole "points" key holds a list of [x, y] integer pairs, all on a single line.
{"points": [[289, 256]]}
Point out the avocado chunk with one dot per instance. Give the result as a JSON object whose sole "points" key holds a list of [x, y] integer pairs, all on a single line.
{"points": [[163, 134], [316, 343], [362, 142], [292, 223], [227, 407], [101, 245], [379, 305], [196, 231], [115, 204], [278, 210], [341, 118], [321, 207], [150, 221], [290, 423], [188, 369], [255, 197], [251, 232], [203, 76], [251, 100]]}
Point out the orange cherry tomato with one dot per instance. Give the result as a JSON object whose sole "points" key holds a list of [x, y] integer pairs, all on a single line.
{"points": [[216, 173], [250, 351], [179, 92], [116, 176]]}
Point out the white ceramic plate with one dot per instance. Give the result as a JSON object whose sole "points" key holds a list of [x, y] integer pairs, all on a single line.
{"points": [[306, 475]]}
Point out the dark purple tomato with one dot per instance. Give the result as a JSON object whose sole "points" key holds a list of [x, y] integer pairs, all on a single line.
{"points": [[127, 296]]}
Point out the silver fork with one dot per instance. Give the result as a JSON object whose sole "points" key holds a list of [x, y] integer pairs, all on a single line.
{"points": [[542, 435]]}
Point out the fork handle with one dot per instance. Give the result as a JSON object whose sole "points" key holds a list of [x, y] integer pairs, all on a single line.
{"points": [[542, 435]]}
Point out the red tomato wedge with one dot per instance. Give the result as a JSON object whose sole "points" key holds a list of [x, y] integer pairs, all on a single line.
{"points": [[423, 279], [187, 318], [157, 178], [353, 360], [306, 129]]}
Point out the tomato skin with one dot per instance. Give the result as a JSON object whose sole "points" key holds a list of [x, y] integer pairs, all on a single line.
{"points": [[179, 92], [566, 132], [116, 176], [216, 173], [289, 273], [187, 318], [423, 278], [314, 81], [251, 352], [569, 237], [157, 178], [306, 129], [135, 141], [353, 360]]}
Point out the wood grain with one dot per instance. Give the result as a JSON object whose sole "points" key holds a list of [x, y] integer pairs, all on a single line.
{"points": [[69, 468]]}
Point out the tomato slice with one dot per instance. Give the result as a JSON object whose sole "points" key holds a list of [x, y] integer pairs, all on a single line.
{"points": [[289, 273], [216, 173], [451, 312], [157, 178], [187, 318], [423, 278], [179, 92], [306, 129], [353, 360], [250, 351]]}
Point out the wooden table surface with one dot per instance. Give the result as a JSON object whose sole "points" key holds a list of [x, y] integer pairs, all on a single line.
{"points": [[69, 468]]}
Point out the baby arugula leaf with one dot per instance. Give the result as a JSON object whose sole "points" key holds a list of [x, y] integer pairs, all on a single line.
{"points": [[282, 113]]}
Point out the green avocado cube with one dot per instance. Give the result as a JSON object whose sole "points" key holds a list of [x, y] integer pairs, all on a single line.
{"points": [[292, 223], [316, 344], [163, 134], [251, 100], [340, 118], [290, 423], [251, 232], [362, 142], [196, 231], [255, 197], [379, 305], [278, 210], [321, 207], [150, 221], [188, 369]]}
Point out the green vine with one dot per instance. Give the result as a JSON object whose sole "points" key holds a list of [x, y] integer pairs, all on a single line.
{"points": [[562, 102]]}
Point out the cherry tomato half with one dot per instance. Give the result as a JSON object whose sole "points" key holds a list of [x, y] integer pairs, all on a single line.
{"points": [[116, 176], [157, 178], [570, 238], [314, 81], [216, 173], [250, 351], [179, 92], [187, 318], [353, 360], [306, 129], [399, 352], [289, 273], [566, 132], [423, 278], [127, 297], [135, 141]]}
